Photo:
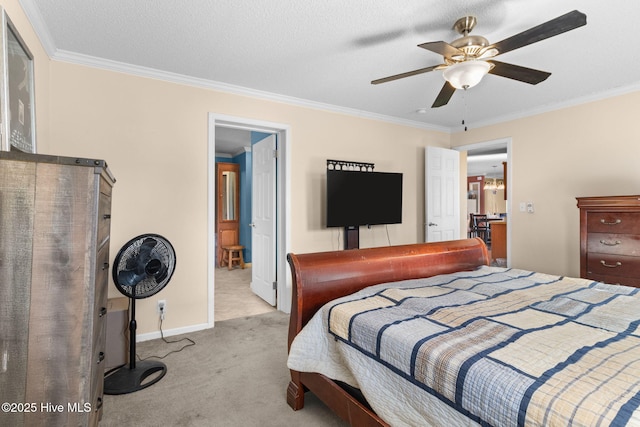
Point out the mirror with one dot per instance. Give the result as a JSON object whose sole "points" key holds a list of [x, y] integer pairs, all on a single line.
{"points": [[229, 208]]}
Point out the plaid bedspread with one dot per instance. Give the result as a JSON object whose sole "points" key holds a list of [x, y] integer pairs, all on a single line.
{"points": [[506, 347]]}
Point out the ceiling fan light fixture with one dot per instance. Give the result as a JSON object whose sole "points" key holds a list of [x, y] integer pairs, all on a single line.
{"points": [[465, 75]]}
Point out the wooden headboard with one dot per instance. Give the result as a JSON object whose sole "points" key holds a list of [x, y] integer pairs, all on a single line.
{"points": [[324, 276]]}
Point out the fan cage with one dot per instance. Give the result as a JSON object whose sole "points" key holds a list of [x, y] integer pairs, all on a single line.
{"points": [[163, 251]]}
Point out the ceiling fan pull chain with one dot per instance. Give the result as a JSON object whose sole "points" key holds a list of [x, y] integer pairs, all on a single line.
{"points": [[464, 97]]}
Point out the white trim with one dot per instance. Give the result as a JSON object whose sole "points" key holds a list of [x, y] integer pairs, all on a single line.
{"points": [[283, 132], [242, 150], [121, 67], [484, 144], [39, 26], [623, 90], [106, 64], [211, 218], [170, 332]]}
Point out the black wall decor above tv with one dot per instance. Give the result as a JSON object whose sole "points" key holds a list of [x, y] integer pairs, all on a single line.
{"points": [[363, 198]]}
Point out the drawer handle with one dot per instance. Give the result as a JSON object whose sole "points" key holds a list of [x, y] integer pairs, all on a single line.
{"points": [[617, 264], [606, 243], [100, 357], [103, 311], [617, 221], [105, 265], [106, 216]]}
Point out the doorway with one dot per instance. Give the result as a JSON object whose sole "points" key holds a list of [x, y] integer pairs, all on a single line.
{"points": [[282, 190], [494, 152]]}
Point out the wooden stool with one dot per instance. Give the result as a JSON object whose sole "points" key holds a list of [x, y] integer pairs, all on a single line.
{"points": [[231, 254]]}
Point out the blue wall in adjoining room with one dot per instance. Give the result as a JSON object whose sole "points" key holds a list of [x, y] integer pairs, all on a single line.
{"points": [[244, 160], [258, 136], [224, 160]]}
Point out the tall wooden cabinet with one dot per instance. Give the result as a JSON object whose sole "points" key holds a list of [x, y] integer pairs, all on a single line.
{"points": [[55, 215], [228, 206], [610, 239]]}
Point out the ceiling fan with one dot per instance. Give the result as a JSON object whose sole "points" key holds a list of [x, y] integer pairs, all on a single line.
{"points": [[468, 59]]}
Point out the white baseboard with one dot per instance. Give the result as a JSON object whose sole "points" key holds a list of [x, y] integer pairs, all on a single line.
{"points": [[170, 332]]}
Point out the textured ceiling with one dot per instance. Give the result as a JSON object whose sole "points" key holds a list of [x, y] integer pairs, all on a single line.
{"points": [[327, 52]]}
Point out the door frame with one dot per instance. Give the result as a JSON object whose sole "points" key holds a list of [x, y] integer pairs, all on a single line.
{"points": [[487, 144], [283, 204]]}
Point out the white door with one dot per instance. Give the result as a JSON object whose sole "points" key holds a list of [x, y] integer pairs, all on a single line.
{"points": [[263, 219], [442, 198]]}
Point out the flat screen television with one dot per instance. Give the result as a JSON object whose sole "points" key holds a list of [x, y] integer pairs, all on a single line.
{"points": [[363, 198]]}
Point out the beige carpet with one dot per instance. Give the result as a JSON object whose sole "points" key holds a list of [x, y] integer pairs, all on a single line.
{"points": [[233, 296], [235, 375]]}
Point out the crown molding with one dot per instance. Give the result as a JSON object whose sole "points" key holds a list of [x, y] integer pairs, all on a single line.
{"points": [[37, 22], [90, 61], [599, 96], [121, 67]]}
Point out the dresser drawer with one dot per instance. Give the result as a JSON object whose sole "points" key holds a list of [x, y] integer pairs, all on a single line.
{"points": [[106, 187], [101, 280], [615, 280], [99, 333], [104, 219], [613, 222], [608, 243], [99, 318], [613, 265]]}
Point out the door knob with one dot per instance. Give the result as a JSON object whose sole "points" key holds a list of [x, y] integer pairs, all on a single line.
{"points": [[433, 224]]}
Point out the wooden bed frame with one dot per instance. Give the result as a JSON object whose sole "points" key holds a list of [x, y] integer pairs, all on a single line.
{"points": [[321, 277]]}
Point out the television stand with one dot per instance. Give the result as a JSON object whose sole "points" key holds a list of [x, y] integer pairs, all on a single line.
{"points": [[352, 237]]}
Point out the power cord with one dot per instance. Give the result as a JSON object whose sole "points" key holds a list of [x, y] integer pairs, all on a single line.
{"points": [[189, 340], [388, 238]]}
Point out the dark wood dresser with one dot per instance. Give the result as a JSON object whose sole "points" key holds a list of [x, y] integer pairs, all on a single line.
{"points": [[54, 268], [610, 239]]}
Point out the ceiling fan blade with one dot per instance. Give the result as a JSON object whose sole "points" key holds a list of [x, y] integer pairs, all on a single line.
{"points": [[559, 25], [516, 72], [442, 48], [444, 96], [403, 75]]}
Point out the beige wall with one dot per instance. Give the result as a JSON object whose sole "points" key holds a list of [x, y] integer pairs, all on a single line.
{"points": [[588, 150], [153, 135]]}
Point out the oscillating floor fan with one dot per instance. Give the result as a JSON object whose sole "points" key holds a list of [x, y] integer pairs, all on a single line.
{"points": [[142, 268]]}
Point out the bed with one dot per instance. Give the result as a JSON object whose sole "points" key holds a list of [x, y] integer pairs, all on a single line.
{"points": [[430, 334]]}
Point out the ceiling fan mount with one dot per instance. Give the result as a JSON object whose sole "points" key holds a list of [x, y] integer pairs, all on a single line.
{"points": [[469, 58], [473, 46]]}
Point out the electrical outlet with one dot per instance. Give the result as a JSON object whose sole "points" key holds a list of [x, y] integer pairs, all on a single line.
{"points": [[162, 308], [530, 207]]}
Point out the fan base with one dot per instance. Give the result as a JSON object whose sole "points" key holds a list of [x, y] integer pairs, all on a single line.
{"points": [[127, 380]]}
